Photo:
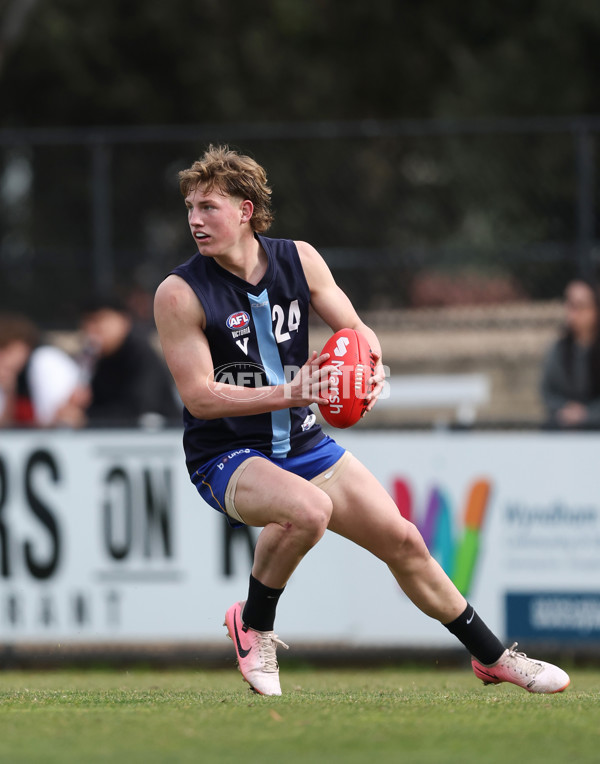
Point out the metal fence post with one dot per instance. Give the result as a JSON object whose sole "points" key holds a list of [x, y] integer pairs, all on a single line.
{"points": [[585, 200], [102, 251]]}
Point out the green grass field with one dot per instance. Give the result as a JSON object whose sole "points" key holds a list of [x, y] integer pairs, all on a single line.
{"points": [[380, 715]]}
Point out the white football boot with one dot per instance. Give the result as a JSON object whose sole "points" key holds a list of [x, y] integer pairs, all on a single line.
{"points": [[530, 674]]}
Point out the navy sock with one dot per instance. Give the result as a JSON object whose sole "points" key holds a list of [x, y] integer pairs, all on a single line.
{"points": [[260, 607], [483, 644]]}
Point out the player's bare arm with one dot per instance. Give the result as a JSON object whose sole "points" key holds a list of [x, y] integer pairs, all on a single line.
{"points": [[333, 305], [180, 321]]}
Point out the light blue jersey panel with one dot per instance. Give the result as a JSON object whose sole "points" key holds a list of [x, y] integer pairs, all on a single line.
{"points": [[260, 308]]}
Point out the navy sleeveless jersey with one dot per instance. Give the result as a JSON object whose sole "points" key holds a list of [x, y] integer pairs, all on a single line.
{"points": [[258, 335]]}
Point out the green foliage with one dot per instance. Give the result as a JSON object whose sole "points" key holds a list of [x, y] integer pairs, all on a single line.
{"points": [[198, 61], [407, 202]]}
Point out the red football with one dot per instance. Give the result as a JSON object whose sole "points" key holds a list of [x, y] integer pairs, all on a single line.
{"points": [[350, 354]]}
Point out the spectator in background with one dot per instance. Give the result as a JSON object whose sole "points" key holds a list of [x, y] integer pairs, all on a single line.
{"points": [[570, 382], [128, 379], [40, 385]]}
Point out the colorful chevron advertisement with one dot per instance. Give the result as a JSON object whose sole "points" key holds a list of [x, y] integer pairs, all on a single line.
{"points": [[456, 552]]}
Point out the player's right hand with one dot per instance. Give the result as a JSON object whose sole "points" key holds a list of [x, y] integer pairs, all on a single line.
{"points": [[311, 383]]}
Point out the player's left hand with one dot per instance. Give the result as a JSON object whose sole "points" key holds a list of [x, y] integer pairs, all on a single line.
{"points": [[377, 381]]}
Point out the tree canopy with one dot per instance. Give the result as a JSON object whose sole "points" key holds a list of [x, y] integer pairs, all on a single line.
{"points": [[197, 61]]}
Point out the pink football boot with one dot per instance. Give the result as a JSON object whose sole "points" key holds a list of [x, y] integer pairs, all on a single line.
{"points": [[256, 653]]}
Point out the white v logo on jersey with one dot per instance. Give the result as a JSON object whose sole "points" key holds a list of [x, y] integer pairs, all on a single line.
{"points": [[340, 346], [243, 345]]}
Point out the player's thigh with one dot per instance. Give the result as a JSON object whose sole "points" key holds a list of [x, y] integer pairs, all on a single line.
{"points": [[265, 493], [364, 512]]}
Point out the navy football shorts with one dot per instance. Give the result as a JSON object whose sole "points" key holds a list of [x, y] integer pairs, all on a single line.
{"points": [[214, 483]]}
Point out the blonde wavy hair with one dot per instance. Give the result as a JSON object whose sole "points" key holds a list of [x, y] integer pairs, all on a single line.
{"points": [[233, 174]]}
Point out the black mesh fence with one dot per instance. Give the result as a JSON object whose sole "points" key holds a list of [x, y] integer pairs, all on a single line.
{"points": [[407, 214]]}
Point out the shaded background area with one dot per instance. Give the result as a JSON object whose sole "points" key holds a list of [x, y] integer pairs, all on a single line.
{"points": [[404, 141], [410, 214], [441, 157]]}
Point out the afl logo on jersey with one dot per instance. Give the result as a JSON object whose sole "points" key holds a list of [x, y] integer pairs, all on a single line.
{"points": [[238, 320]]}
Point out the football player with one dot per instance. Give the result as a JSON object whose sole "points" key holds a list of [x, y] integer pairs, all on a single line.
{"points": [[233, 323]]}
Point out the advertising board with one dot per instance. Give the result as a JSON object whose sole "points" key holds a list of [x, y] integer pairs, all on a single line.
{"points": [[104, 538]]}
